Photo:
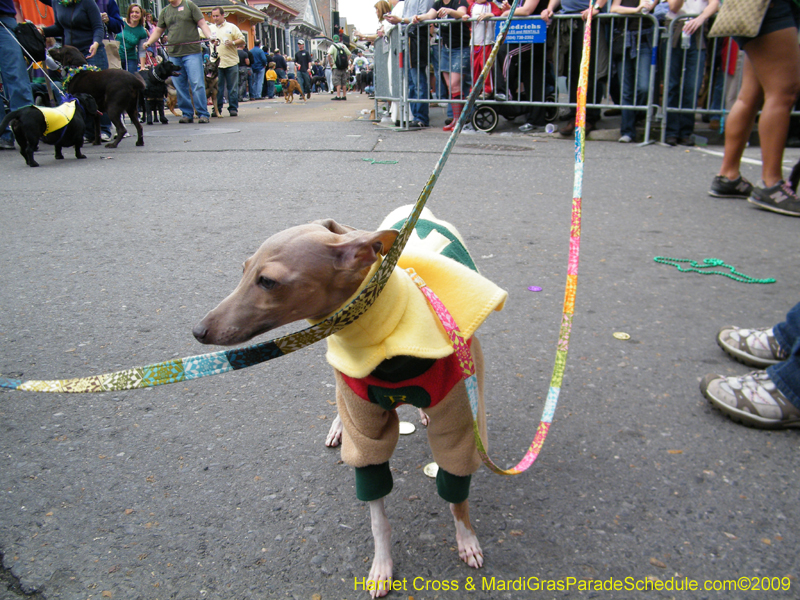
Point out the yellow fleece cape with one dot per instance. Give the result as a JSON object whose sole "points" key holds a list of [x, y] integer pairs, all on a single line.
{"points": [[59, 117], [401, 322]]}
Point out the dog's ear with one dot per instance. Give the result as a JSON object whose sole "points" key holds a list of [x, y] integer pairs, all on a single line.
{"points": [[333, 226], [362, 250]]}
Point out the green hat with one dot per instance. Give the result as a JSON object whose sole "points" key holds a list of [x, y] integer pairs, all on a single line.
{"points": [[336, 38]]}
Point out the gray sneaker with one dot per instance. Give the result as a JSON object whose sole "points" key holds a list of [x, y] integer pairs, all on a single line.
{"points": [[753, 347], [751, 399], [722, 187], [779, 198]]}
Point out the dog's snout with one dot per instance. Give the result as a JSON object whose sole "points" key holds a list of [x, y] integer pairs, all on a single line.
{"points": [[200, 332]]}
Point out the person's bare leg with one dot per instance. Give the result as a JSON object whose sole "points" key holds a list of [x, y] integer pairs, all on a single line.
{"points": [[739, 122], [776, 61], [772, 77]]}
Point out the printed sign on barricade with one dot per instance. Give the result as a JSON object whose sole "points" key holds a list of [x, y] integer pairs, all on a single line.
{"points": [[525, 32]]}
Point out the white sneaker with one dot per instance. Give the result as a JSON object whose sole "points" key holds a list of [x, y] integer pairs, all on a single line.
{"points": [[625, 139]]}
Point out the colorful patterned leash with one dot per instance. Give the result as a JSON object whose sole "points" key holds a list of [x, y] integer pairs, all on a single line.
{"points": [[709, 263], [460, 346], [194, 367]]}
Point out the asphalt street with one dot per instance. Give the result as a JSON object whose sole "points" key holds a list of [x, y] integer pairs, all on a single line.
{"points": [[222, 488]]}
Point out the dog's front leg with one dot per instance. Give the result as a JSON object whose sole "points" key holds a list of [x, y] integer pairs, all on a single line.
{"points": [[334, 433], [469, 550], [380, 575]]}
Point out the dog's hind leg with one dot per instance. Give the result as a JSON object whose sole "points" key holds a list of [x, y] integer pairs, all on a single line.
{"points": [[26, 148], [78, 147], [379, 580], [119, 127], [59, 155], [134, 117]]}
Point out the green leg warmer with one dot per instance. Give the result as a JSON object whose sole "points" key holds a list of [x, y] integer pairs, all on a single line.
{"points": [[374, 482], [452, 488]]}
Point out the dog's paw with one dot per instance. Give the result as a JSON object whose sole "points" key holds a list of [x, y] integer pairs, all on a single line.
{"points": [[424, 418], [140, 142], [334, 433]]}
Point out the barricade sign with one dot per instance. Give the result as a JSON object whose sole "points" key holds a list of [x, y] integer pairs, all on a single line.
{"points": [[524, 32]]}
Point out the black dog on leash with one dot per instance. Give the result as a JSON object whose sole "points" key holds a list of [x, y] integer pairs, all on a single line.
{"points": [[116, 91], [155, 89], [62, 127]]}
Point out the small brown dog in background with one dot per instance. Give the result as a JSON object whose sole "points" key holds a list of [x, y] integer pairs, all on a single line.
{"points": [[290, 86]]}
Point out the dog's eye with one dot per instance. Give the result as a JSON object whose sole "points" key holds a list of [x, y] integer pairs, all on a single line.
{"points": [[267, 283]]}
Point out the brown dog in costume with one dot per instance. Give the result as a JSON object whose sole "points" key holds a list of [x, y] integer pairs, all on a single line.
{"points": [[396, 352]]}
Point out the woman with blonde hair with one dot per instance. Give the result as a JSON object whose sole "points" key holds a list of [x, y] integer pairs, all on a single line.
{"points": [[395, 7], [382, 8]]}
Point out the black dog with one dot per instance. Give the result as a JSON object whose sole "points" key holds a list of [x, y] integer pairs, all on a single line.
{"points": [[115, 91], [29, 126], [155, 89], [794, 178]]}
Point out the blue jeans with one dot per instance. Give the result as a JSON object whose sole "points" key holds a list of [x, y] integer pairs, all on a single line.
{"points": [[190, 84], [16, 85], [229, 78], [100, 60], [257, 87], [418, 89], [270, 89], [305, 82], [130, 65], [635, 77], [786, 375], [681, 125]]}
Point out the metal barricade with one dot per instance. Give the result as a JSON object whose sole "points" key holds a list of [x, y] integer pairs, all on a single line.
{"points": [[529, 76], [388, 76], [692, 71]]}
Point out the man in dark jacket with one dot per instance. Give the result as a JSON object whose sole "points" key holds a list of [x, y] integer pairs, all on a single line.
{"points": [[280, 64], [303, 59], [259, 67]]}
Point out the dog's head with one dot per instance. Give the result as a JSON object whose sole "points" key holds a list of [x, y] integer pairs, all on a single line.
{"points": [[212, 69], [88, 104], [165, 69], [68, 56], [284, 82], [306, 272]]}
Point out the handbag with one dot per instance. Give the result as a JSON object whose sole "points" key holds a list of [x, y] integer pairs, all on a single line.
{"points": [[739, 18]]}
